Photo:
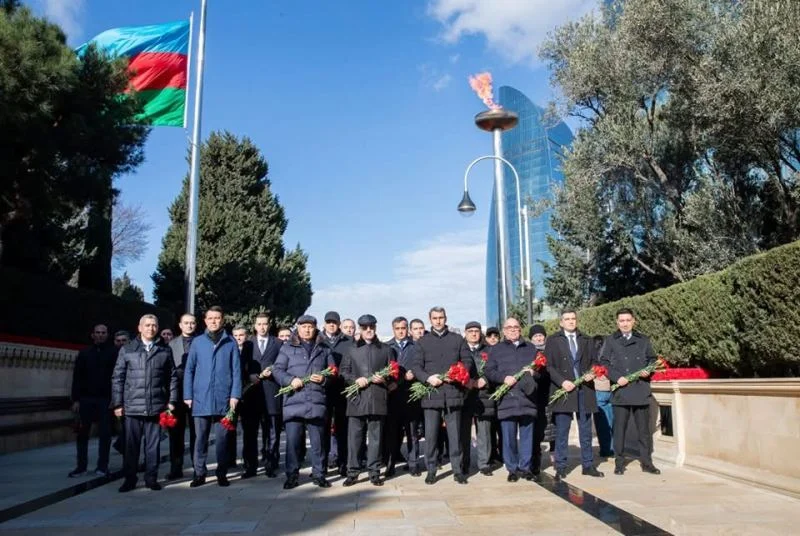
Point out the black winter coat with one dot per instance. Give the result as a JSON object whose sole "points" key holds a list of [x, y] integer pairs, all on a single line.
{"points": [[622, 357], [435, 354], [362, 361], [338, 346], [560, 368], [292, 362], [180, 353], [484, 406], [505, 359], [399, 405], [92, 374], [144, 382], [259, 363]]}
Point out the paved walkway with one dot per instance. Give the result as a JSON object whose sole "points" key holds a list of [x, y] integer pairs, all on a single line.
{"points": [[676, 502]]}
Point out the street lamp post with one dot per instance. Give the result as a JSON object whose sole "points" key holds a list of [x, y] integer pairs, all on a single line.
{"points": [[467, 207]]}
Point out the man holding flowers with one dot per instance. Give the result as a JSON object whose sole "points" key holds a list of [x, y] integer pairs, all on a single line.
{"points": [[570, 358], [436, 353], [624, 353], [363, 368]]}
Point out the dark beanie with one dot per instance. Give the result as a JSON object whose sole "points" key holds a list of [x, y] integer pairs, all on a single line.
{"points": [[536, 329]]}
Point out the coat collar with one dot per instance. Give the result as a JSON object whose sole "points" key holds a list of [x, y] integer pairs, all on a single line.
{"points": [[377, 343]]}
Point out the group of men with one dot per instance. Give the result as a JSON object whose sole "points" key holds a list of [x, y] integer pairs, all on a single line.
{"points": [[203, 377]]}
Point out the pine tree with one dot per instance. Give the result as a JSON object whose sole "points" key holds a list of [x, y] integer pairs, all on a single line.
{"points": [[241, 261], [125, 289]]}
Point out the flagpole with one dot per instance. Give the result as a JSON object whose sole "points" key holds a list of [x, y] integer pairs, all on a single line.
{"points": [[188, 72], [194, 172]]}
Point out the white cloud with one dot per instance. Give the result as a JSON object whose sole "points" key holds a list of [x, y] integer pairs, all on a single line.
{"points": [[66, 13], [447, 270], [442, 82], [433, 77], [514, 28]]}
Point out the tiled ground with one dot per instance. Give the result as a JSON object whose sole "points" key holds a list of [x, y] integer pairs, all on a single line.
{"points": [[678, 501]]}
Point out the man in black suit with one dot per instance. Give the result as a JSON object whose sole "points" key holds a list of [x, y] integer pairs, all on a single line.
{"points": [[570, 355], [261, 398], [623, 353], [180, 349]]}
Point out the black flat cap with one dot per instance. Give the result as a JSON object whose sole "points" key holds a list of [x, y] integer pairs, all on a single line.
{"points": [[332, 316], [306, 319], [367, 320], [537, 329], [492, 331], [472, 324]]}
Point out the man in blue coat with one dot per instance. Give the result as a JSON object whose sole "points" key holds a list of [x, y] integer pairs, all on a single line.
{"points": [[305, 409], [212, 383]]}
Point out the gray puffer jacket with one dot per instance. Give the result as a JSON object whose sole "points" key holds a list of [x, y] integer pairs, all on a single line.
{"points": [[144, 382]]}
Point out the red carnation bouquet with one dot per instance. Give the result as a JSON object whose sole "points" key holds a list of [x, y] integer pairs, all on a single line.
{"points": [[598, 371], [659, 365], [482, 363], [167, 420], [457, 373], [538, 363], [389, 372], [229, 420], [330, 371]]}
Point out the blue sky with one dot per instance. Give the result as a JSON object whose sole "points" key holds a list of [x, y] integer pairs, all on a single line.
{"points": [[363, 111]]}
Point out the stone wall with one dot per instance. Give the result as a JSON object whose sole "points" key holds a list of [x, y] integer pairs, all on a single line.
{"points": [[746, 429]]}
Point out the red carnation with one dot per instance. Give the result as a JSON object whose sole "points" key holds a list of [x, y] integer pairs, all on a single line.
{"points": [[394, 369], [484, 356], [540, 362], [167, 420], [334, 371], [458, 373], [599, 371]]}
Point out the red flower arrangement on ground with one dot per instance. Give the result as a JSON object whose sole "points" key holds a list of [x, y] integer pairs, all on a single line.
{"points": [[390, 371], [538, 363], [457, 373], [598, 371], [167, 420], [330, 371]]}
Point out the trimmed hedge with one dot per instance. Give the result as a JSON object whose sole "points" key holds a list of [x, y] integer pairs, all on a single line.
{"points": [[742, 321], [35, 306]]}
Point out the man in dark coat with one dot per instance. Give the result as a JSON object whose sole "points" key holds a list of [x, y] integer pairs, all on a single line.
{"points": [[305, 409], [626, 352], [436, 352], [335, 446], [544, 430], [263, 396], [145, 384], [405, 417], [91, 396], [180, 350], [570, 355], [485, 408], [367, 410], [472, 335], [212, 384], [516, 411]]}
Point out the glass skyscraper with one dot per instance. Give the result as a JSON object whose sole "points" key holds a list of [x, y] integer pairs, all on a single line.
{"points": [[533, 148]]}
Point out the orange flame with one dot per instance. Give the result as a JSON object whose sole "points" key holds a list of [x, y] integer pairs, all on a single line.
{"points": [[481, 84]]}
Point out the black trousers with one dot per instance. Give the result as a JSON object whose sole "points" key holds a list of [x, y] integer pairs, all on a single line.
{"points": [[203, 426], [433, 425], [641, 419], [135, 428], [538, 436], [94, 409], [336, 418], [400, 427], [177, 436], [467, 413], [251, 422], [296, 430], [361, 428], [271, 430]]}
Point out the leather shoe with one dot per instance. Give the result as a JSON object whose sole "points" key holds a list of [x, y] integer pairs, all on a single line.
{"points": [[375, 481], [174, 475], [652, 469], [155, 486], [390, 471], [535, 476], [248, 474], [431, 478], [127, 486], [197, 482], [619, 470], [416, 472], [512, 477], [222, 481], [592, 471], [560, 475], [486, 471], [321, 482], [350, 481], [291, 483], [460, 479]]}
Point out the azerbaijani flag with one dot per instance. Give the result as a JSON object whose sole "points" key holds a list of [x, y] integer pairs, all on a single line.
{"points": [[157, 63]]}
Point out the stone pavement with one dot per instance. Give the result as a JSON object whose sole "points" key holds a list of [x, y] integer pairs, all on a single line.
{"points": [[678, 502]]}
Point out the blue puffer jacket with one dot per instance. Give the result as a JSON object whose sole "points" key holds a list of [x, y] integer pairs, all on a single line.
{"points": [[294, 362], [213, 375], [505, 359]]}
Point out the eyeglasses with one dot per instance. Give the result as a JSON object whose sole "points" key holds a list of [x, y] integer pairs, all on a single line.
{"points": [[367, 328], [512, 328]]}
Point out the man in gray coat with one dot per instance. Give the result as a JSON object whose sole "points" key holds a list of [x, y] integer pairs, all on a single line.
{"points": [[180, 350], [623, 353], [144, 384]]}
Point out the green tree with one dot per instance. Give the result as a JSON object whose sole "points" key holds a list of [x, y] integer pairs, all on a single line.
{"points": [[688, 154], [66, 134], [125, 289], [241, 261]]}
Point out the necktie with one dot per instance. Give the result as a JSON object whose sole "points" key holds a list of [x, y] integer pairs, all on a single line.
{"points": [[573, 347], [148, 346], [261, 345]]}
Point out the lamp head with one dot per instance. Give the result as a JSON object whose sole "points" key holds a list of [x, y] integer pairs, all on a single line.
{"points": [[466, 207]]}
